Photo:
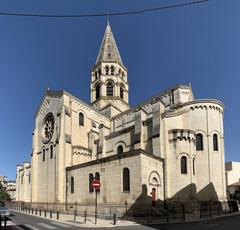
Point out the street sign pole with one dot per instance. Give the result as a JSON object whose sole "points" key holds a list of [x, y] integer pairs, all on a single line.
{"points": [[96, 186], [96, 206]]}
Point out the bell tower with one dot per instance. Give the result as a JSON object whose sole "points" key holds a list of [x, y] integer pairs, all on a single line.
{"points": [[109, 83]]}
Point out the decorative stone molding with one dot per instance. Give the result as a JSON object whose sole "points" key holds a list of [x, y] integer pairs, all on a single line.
{"points": [[181, 135], [82, 151]]}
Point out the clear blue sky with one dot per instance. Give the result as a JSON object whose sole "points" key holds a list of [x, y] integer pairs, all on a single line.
{"points": [[198, 44]]}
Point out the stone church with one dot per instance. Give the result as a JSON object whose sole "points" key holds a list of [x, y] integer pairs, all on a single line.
{"points": [[172, 144]]}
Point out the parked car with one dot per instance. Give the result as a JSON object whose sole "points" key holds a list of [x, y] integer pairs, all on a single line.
{"points": [[4, 211]]}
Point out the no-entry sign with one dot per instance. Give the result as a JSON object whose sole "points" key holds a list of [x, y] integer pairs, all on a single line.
{"points": [[96, 184]]}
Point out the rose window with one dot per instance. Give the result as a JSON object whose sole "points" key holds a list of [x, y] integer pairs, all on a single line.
{"points": [[48, 128]]}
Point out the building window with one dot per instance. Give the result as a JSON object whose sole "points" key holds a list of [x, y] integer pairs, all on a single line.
{"points": [[51, 151], [72, 184], [97, 91], [120, 149], [126, 180], [199, 142], [107, 70], [43, 156], [193, 163], [96, 74], [109, 89], [22, 179], [184, 165], [81, 119], [29, 177], [91, 178], [121, 92], [215, 142], [99, 72], [112, 70]]}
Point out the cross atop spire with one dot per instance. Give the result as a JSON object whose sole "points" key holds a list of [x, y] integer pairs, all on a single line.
{"points": [[109, 51], [108, 18]]}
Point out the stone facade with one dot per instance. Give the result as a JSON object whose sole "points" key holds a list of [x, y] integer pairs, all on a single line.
{"points": [[171, 143], [23, 182]]}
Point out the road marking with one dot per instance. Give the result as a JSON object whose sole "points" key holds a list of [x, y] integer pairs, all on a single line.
{"points": [[47, 226], [30, 227], [61, 224]]}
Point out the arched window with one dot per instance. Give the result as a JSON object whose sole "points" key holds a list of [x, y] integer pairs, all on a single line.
{"points": [[97, 177], [97, 91], [107, 70], [126, 180], [72, 184], [109, 89], [184, 165], [96, 74], [43, 156], [199, 142], [99, 72], [51, 151], [112, 70], [215, 142], [121, 92], [81, 119], [193, 165], [120, 149], [91, 178]]}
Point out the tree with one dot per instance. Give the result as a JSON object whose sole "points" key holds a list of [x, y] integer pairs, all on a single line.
{"points": [[3, 194]]}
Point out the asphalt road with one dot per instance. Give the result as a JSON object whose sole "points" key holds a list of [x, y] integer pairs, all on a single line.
{"points": [[24, 221]]}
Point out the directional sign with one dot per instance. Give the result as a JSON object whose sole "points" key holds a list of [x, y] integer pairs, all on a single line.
{"points": [[96, 184]]}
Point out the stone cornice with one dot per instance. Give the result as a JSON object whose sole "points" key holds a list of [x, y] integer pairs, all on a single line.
{"points": [[113, 158]]}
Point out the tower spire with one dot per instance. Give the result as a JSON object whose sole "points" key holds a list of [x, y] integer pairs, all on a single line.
{"points": [[109, 84], [108, 51]]}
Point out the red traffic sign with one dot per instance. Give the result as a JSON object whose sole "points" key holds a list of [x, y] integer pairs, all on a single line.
{"points": [[96, 184]]}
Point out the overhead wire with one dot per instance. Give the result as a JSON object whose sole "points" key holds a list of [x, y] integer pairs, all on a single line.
{"points": [[142, 11]]}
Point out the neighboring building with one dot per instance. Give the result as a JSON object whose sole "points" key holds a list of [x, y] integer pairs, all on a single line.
{"points": [[171, 143], [11, 189], [232, 176], [10, 186]]}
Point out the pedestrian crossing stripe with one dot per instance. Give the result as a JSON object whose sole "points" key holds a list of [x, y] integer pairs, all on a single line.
{"points": [[46, 226], [30, 227], [61, 224]]}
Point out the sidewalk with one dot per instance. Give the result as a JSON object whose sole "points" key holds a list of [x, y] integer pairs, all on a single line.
{"points": [[90, 221]]}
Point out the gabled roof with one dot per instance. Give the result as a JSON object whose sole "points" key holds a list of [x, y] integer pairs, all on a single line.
{"points": [[108, 51], [59, 94]]}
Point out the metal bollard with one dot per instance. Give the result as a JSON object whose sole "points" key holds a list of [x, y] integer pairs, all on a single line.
{"points": [[45, 213], [74, 215], [114, 219], [51, 214], [183, 209], [57, 215], [32, 210], [5, 222], [35, 211], [40, 212], [85, 216]]}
